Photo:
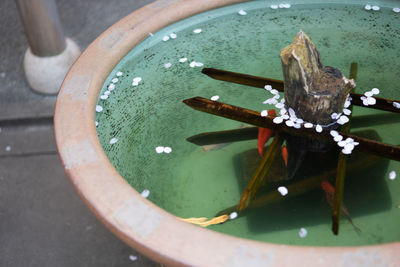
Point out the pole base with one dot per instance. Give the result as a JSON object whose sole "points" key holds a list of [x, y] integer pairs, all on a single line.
{"points": [[45, 74]]}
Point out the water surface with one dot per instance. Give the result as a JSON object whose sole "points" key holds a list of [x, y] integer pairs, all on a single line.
{"points": [[190, 182]]}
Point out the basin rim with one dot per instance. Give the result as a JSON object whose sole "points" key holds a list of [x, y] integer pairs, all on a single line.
{"points": [[138, 222]]}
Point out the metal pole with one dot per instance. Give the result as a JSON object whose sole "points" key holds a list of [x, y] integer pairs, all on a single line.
{"points": [[42, 26]]}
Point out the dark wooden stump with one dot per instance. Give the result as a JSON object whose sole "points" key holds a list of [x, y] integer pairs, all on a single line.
{"points": [[313, 91]]}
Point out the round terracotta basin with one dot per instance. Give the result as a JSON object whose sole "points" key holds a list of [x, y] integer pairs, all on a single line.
{"points": [[143, 225]]}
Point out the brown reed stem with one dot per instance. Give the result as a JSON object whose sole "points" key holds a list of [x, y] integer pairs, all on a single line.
{"points": [[254, 118], [262, 170], [341, 169]]}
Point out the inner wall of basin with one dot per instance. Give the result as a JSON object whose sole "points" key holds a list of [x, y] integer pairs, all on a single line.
{"points": [[192, 182]]}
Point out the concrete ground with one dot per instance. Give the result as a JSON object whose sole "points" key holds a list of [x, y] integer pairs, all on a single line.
{"points": [[42, 220]]}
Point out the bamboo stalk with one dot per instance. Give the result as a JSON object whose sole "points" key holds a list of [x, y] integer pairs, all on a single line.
{"points": [[254, 118], [260, 82], [255, 182], [341, 169]]}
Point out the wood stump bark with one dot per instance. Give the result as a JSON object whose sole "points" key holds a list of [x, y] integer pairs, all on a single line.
{"points": [[313, 91]]}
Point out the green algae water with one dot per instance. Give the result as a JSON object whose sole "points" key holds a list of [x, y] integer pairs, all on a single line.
{"points": [[192, 181]]}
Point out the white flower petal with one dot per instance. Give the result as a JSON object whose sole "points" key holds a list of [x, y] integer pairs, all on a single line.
{"points": [[375, 91], [371, 101], [167, 149], [283, 190], [343, 120], [99, 108], [215, 98], [349, 146], [347, 152], [334, 133], [297, 125], [137, 79], [342, 143], [145, 193], [302, 232], [308, 125], [277, 120], [338, 138], [274, 92], [159, 149], [242, 12], [368, 93], [132, 258], [268, 87], [346, 111], [264, 113], [289, 123]]}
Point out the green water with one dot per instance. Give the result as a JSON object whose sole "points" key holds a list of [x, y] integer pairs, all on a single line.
{"points": [[190, 182]]}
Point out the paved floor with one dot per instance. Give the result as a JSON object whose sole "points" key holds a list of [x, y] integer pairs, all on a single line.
{"points": [[42, 220]]}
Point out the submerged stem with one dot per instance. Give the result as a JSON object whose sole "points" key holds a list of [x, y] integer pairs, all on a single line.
{"points": [[341, 170], [303, 186], [262, 170]]}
